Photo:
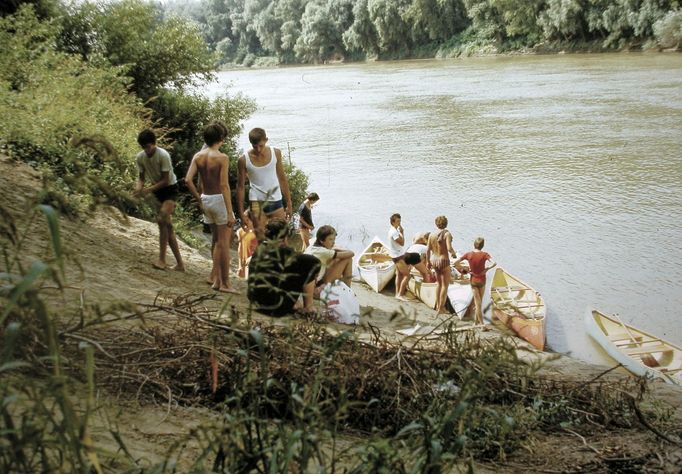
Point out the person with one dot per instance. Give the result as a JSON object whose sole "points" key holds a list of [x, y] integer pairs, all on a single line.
{"points": [[402, 260], [439, 250], [336, 263], [305, 221], [477, 267], [278, 274], [215, 202], [154, 165], [267, 181], [247, 244], [419, 246]]}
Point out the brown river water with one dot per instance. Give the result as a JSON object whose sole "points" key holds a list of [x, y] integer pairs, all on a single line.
{"points": [[570, 166]]}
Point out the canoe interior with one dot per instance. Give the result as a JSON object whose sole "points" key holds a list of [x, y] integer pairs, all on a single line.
{"points": [[515, 297]]}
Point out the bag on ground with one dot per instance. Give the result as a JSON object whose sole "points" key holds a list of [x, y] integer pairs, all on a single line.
{"points": [[341, 303]]}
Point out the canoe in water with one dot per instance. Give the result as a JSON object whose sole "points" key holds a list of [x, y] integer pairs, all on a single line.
{"points": [[375, 265], [519, 307], [639, 352]]}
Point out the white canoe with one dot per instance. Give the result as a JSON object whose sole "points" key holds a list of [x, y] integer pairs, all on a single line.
{"points": [[375, 265], [639, 352], [460, 295], [519, 307]]}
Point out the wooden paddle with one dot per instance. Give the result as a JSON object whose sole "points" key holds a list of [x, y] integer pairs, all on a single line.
{"points": [[647, 359]]}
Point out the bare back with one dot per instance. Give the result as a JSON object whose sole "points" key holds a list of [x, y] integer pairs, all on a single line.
{"points": [[212, 167], [439, 242]]}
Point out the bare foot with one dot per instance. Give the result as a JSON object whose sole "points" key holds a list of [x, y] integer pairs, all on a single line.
{"points": [[159, 265], [228, 289], [241, 273]]}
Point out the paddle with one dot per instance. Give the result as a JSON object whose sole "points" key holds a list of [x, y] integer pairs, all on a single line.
{"points": [[647, 359]]}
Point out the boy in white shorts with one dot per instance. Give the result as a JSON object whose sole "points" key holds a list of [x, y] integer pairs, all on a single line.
{"points": [[215, 202]]}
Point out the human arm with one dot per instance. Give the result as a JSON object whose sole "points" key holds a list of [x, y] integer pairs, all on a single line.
{"points": [[492, 262], [448, 240], [343, 253], [139, 185], [225, 190], [189, 180], [283, 182], [162, 183], [400, 236], [241, 177]]}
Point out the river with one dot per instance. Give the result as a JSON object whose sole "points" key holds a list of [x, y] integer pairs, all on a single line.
{"points": [[570, 166]]}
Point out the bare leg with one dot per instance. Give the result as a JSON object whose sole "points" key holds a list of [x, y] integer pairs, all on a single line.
{"points": [[340, 269], [173, 243], [221, 260], [305, 238], [166, 219], [403, 284], [212, 277], [162, 220], [308, 290], [443, 278], [478, 301], [402, 271], [278, 214]]}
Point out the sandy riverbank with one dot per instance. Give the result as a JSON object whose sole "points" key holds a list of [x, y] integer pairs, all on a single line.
{"points": [[109, 259]]}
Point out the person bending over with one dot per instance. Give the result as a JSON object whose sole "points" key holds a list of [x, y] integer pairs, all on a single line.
{"points": [[278, 275]]}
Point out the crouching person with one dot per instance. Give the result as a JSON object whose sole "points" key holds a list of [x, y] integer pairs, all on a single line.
{"points": [[278, 275]]}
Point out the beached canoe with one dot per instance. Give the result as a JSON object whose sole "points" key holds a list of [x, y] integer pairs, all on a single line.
{"points": [[639, 352], [460, 295], [375, 265], [519, 307]]}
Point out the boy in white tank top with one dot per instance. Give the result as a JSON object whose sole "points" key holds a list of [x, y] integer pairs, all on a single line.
{"points": [[268, 183]]}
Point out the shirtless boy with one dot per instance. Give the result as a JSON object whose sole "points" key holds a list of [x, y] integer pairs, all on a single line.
{"points": [[215, 202], [154, 164], [267, 181]]}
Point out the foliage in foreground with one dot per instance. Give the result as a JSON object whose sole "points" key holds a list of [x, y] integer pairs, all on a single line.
{"points": [[287, 397]]}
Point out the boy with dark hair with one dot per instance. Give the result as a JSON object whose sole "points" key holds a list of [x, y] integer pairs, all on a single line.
{"points": [[278, 275], [215, 202], [154, 164]]}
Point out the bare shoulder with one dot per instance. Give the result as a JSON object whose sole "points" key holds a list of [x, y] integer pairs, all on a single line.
{"points": [[278, 154]]}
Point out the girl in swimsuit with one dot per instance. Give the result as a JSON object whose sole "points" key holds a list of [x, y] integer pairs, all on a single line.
{"points": [[438, 259], [477, 259]]}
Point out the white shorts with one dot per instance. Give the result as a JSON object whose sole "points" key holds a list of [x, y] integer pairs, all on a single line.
{"points": [[215, 211]]}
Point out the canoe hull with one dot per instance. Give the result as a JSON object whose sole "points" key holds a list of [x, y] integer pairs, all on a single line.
{"points": [[460, 295], [519, 307], [377, 274], [619, 339]]}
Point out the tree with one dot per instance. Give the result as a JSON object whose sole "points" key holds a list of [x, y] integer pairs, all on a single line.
{"points": [[668, 30], [389, 19], [362, 34]]}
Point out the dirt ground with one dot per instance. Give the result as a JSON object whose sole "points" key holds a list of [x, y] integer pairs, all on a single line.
{"points": [[115, 254]]}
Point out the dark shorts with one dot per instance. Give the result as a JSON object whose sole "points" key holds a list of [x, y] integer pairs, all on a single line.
{"points": [[266, 207], [478, 284], [410, 258], [169, 193]]}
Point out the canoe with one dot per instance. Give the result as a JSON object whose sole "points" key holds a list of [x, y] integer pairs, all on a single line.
{"points": [[375, 265], [460, 295], [519, 307], [641, 353]]}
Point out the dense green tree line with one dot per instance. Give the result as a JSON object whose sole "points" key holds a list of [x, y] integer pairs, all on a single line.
{"points": [[241, 31]]}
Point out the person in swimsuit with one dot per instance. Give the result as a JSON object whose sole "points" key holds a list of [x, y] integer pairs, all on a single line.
{"points": [[154, 164], [439, 250], [215, 202], [306, 219], [247, 244], [478, 269], [267, 182], [419, 246]]}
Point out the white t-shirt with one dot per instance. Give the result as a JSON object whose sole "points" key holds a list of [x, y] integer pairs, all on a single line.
{"points": [[417, 248], [394, 248], [153, 166], [325, 256]]}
